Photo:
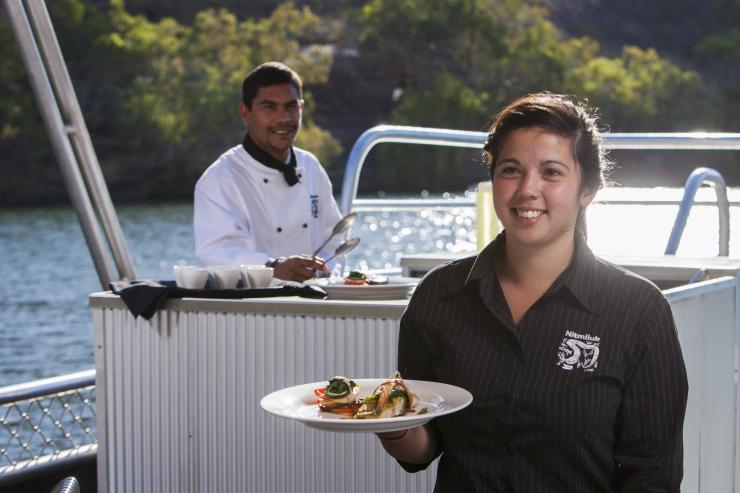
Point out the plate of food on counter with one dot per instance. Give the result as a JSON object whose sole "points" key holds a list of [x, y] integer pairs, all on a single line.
{"points": [[366, 405], [358, 285]]}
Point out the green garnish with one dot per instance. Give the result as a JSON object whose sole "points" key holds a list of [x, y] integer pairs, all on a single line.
{"points": [[339, 387], [398, 393], [371, 398]]}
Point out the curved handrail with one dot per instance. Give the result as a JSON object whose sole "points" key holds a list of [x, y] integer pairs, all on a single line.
{"points": [[54, 385], [696, 179], [403, 135], [469, 139]]}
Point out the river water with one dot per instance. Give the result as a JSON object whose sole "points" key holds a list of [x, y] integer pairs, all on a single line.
{"points": [[45, 322]]}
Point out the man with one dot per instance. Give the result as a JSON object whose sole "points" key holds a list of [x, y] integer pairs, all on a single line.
{"points": [[266, 201]]}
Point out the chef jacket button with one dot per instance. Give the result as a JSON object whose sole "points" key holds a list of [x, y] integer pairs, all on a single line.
{"points": [[300, 175], [265, 180], [305, 225], [280, 230]]}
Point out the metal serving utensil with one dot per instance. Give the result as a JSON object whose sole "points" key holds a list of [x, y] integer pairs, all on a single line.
{"points": [[344, 248], [339, 228]]}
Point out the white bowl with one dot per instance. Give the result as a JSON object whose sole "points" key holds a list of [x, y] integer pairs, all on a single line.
{"points": [[256, 276], [224, 276], [190, 276]]}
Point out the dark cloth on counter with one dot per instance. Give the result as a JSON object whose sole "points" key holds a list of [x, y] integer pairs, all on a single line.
{"points": [[588, 393], [146, 297]]}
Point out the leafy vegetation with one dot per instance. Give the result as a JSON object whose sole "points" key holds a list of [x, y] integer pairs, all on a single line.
{"points": [[164, 93], [160, 93]]}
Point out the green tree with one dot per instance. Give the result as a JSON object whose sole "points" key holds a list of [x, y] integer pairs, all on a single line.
{"points": [[718, 55], [639, 90], [160, 97], [465, 59], [187, 91], [449, 103]]}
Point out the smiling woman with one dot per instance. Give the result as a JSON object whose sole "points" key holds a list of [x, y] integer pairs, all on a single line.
{"points": [[538, 194], [550, 340]]}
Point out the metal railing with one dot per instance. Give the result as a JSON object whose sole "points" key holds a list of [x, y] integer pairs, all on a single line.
{"points": [[696, 179], [69, 137], [466, 139], [46, 423]]}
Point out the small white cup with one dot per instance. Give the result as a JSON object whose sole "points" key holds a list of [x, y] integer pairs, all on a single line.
{"points": [[224, 276], [177, 272], [190, 276], [256, 276]]}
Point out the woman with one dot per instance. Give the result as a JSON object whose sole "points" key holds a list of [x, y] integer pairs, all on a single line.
{"points": [[574, 363]]}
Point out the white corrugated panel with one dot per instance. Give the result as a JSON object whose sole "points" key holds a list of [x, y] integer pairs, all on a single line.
{"points": [[708, 326], [178, 399], [179, 405]]}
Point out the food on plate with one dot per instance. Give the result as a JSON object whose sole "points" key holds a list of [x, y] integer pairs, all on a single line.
{"points": [[389, 399], [355, 278], [358, 278], [339, 396]]}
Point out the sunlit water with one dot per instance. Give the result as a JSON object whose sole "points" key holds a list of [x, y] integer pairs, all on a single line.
{"points": [[45, 322]]}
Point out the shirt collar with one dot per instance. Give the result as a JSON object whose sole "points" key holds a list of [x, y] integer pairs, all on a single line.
{"points": [[576, 278], [484, 265], [287, 169], [579, 277]]}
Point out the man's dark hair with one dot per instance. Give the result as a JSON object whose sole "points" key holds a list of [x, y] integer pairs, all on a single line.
{"points": [[269, 74]]}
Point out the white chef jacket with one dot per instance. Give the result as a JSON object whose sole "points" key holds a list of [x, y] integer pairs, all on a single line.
{"points": [[246, 213]]}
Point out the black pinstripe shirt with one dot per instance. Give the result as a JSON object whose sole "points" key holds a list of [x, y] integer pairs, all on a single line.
{"points": [[586, 394]]}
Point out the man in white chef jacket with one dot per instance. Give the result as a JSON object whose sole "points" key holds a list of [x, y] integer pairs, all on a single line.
{"points": [[265, 201]]}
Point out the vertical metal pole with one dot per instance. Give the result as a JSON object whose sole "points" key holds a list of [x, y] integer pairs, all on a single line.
{"points": [[737, 380], [58, 137], [80, 137]]}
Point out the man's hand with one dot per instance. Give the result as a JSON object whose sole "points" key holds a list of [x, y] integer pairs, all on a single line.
{"points": [[298, 268]]}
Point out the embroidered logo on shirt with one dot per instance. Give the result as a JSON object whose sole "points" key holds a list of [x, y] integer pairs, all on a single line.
{"points": [[315, 206], [578, 351]]}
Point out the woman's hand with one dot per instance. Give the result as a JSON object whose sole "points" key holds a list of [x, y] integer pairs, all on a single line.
{"points": [[413, 445]]}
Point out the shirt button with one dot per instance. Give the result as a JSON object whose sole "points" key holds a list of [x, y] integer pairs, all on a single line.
{"points": [[265, 180], [280, 230], [305, 225]]}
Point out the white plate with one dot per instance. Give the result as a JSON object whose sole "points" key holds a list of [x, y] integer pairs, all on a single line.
{"points": [[299, 403], [398, 288]]}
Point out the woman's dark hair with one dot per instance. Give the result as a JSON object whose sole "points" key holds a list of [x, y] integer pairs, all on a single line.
{"points": [[559, 114], [269, 74]]}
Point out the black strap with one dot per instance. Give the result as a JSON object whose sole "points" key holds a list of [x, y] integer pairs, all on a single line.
{"points": [[288, 170]]}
